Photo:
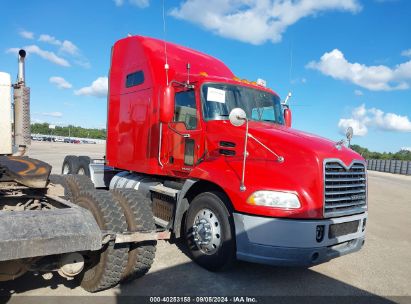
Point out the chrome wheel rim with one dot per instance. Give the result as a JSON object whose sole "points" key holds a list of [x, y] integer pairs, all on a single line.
{"points": [[207, 231]]}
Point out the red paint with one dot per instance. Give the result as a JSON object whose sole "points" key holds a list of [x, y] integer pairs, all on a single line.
{"points": [[134, 128], [287, 117]]}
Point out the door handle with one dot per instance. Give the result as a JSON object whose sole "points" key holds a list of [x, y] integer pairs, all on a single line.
{"points": [[179, 133]]}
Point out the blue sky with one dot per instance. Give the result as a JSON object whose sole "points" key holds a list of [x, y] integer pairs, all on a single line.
{"points": [[351, 59]]}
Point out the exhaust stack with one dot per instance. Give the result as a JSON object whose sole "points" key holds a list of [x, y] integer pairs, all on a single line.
{"points": [[21, 74], [22, 129]]}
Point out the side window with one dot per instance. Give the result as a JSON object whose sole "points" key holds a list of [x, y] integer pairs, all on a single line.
{"points": [[134, 79], [185, 109]]}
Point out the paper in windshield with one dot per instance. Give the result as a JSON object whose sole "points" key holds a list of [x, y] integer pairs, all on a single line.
{"points": [[216, 95]]}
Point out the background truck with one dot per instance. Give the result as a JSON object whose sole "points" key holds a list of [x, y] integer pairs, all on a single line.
{"points": [[217, 160], [57, 223]]}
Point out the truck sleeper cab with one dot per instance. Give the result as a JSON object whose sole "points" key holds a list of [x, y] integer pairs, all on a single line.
{"points": [[294, 199]]}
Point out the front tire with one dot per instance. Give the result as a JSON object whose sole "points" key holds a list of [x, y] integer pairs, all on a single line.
{"points": [[209, 231]]}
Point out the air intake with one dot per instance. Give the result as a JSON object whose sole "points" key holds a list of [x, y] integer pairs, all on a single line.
{"points": [[345, 189]]}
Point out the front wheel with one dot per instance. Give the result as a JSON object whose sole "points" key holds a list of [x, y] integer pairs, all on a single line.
{"points": [[209, 231]]}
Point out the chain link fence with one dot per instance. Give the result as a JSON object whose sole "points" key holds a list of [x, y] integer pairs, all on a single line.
{"points": [[390, 166]]}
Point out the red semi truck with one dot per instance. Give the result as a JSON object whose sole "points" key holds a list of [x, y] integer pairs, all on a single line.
{"points": [[220, 164]]}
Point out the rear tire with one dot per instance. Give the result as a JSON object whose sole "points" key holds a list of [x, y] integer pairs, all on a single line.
{"points": [[83, 168], [61, 180], [70, 165], [139, 217], [78, 183], [104, 268], [209, 231]]}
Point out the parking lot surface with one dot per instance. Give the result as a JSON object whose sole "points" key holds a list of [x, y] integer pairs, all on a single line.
{"points": [[381, 270]]}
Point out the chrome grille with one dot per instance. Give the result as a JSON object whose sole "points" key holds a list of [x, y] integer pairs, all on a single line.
{"points": [[345, 189]]}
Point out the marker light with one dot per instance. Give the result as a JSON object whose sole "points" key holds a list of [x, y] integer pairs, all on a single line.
{"points": [[204, 74], [274, 199], [262, 82]]}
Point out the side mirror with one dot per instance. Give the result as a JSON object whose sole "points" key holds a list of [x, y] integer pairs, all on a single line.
{"points": [[167, 106], [349, 133], [237, 117], [287, 117]]}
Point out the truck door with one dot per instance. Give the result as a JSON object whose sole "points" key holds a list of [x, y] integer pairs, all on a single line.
{"points": [[185, 135]]}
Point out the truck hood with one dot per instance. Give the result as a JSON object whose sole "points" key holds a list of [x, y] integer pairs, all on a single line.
{"points": [[294, 141], [301, 172]]}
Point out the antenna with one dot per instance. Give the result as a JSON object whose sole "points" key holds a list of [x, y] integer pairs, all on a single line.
{"points": [[166, 66], [285, 103]]}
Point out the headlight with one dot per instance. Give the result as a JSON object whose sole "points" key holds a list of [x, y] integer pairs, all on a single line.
{"points": [[274, 199]]}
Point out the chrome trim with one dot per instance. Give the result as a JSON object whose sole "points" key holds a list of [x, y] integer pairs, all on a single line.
{"points": [[362, 202], [160, 145]]}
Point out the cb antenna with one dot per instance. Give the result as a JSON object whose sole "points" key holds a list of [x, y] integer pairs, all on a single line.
{"points": [[166, 66]]}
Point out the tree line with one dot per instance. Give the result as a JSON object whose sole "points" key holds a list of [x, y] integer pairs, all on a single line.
{"points": [[367, 154], [68, 131]]}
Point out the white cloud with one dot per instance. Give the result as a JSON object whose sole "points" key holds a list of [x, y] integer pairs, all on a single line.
{"points": [[406, 53], [255, 21], [50, 56], [26, 34], [53, 114], [358, 93], [359, 128], [375, 78], [66, 46], [13, 51], [139, 3], [83, 62], [98, 88], [60, 82], [69, 48], [49, 39], [36, 120], [406, 149], [362, 118]]}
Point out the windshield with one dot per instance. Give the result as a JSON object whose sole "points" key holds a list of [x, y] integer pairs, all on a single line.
{"points": [[219, 99]]}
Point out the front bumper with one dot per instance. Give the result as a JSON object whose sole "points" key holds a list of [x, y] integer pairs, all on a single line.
{"points": [[292, 242]]}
